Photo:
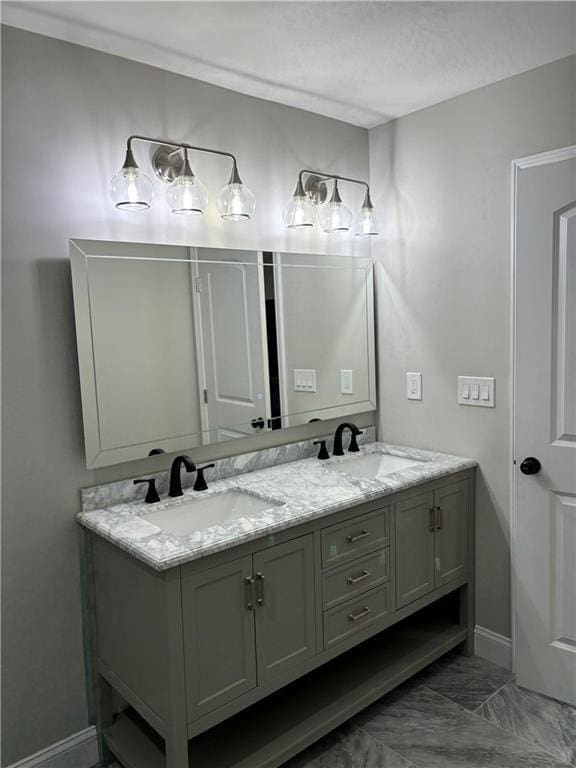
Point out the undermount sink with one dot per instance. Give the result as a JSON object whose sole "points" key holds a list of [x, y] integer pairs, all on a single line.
{"points": [[375, 465], [189, 516]]}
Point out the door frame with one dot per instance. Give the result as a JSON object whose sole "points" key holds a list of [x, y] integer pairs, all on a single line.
{"points": [[541, 158]]}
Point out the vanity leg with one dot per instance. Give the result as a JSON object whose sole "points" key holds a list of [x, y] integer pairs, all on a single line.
{"points": [[466, 594], [104, 718], [176, 738], [99, 690], [176, 749], [466, 599]]}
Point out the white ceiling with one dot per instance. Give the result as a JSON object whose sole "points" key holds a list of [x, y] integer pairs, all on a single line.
{"points": [[362, 62]]}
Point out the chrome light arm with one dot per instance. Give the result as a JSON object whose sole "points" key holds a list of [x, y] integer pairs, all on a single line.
{"points": [[168, 161]]}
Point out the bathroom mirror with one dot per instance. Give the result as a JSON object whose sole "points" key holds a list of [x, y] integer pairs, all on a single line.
{"points": [[182, 346]]}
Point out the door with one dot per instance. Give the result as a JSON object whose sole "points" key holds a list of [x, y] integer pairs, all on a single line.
{"points": [[414, 548], [219, 643], [285, 606], [231, 339], [545, 423], [451, 539]]}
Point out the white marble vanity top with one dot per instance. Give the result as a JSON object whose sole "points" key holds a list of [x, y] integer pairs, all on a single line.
{"points": [[298, 491]]}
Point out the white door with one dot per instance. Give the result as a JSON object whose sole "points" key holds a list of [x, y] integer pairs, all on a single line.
{"points": [[231, 342], [545, 423]]}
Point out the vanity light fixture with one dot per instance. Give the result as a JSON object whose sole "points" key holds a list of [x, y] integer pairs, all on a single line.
{"points": [[367, 221], [334, 216], [132, 190], [186, 195], [300, 210]]}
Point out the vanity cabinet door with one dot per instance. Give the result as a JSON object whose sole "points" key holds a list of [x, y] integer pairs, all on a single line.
{"points": [[414, 548], [285, 606], [451, 543], [219, 641]]}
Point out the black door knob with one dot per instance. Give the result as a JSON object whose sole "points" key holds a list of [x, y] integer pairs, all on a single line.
{"points": [[258, 423], [530, 466]]}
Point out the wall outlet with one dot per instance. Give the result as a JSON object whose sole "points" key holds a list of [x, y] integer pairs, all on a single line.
{"points": [[414, 386], [346, 381], [476, 390], [304, 380]]}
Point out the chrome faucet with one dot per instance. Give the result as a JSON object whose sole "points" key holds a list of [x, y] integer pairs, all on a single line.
{"points": [[175, 480], [354, 431]]}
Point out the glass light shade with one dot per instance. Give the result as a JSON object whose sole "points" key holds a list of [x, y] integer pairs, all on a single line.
{"points": [[187, 195], [131, 190], [335, 217], [366, 222], [236, 202], [299, 211]]}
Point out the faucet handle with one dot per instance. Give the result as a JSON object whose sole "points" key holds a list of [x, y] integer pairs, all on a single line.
{"points": [[200, 483], [151, 494], [323, 452], [353, 447]]}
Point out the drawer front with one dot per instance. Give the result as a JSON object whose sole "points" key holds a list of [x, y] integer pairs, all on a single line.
{"points": [[355, 615], [353, 579], [347, 541]]}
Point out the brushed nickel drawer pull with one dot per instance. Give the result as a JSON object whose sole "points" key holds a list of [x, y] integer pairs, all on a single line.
{"points": [[249, 584], [351, 538], [364, 612], [260, 588], [356, 579]]}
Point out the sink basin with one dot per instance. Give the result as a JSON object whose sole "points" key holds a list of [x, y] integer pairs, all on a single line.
{"points": [[194, 515], [375, 465]]}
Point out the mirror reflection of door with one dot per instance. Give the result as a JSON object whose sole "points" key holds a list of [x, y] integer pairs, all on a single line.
{"points": [[231, 341]]}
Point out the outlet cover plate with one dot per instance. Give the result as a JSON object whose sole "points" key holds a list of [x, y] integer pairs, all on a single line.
{"points": [[414, 386]]}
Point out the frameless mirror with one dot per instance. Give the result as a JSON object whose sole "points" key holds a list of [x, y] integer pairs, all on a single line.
{"points": [[180, 347]]}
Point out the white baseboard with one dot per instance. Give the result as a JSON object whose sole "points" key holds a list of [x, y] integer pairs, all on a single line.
{"points": [[493, 647], [77, 751]]}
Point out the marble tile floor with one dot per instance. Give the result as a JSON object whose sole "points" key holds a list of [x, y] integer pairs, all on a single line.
{"points": [[459, 713]]}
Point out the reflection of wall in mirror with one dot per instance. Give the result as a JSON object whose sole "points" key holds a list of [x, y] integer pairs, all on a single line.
{"points": [[144, 349], [322, 317]]}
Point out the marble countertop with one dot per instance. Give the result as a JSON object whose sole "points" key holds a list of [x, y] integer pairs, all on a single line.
{"points": [[302, 490]]}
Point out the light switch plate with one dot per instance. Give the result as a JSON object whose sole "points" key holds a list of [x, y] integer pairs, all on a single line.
{"points": [[304, 380], [346, 381], [414, 386], [476, 390]]}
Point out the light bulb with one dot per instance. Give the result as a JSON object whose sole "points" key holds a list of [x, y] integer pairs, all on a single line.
{"points": [[299, 211], [236, 201], [130, 189], [367, 221], [335, 216]]}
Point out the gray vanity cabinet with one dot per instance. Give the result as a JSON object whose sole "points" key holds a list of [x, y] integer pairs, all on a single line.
{"points": [[285, 606], [451, 534], [219, 640], [244, 657], [414, 548], [431, 541], [246, 621]]}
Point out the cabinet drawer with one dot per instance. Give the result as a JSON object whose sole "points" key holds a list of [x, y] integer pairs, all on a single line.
{"points": [[353, 579], [355, 615], [347, 541]]}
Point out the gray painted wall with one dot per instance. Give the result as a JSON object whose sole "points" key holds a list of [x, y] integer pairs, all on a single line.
{"points": [[67, 111], [442, 175]]}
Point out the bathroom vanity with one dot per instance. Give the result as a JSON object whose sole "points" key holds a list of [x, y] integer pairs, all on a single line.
{"points": [[237, 639]]}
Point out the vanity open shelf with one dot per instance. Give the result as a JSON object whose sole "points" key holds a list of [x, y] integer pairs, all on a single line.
{"points": [[275, 729], [244, 657]]}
